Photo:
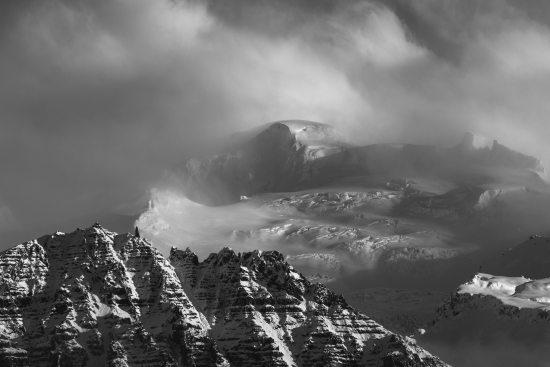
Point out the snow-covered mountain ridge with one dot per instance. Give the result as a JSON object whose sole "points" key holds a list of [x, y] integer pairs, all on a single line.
{"points": [[97, 298], [278, 158], [296, 155]]}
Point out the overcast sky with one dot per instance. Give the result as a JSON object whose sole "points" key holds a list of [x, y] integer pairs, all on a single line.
{"points": [[98, 94]]}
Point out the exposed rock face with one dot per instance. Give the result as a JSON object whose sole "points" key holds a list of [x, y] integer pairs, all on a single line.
{"points": [[95, 298], [264, 313]]}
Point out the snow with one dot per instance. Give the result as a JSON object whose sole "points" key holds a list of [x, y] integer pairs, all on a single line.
{"points": [[474, 141], [514, 291], [480, 142], [306, 132], [493, 321]]}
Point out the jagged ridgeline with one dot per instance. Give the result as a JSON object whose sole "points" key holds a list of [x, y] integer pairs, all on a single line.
{"points": [[97, 298]]}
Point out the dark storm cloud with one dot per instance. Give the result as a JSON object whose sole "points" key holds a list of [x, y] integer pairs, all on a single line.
{"points": [[100, 94]]}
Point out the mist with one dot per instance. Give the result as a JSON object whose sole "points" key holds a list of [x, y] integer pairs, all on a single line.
{"points": [[98, 97]]}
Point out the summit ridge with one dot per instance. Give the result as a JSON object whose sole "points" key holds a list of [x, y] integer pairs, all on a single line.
{"points": [[94, 297]]}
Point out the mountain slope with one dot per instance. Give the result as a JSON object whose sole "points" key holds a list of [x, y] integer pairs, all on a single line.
{"points": [[502, 319], [296, 155], [276, 159], [92, 297], [481, 150]]}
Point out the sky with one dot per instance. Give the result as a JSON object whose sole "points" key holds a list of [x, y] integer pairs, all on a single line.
{"points": [[101, 95]]}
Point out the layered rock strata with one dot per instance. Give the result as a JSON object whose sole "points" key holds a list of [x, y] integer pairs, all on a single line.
{"points": [[97, 298]]}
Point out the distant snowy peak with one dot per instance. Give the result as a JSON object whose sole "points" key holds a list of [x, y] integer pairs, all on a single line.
{"points": [[519, 292], [277, 159], [93, 297], [473, 141], [491, 153], [500, 319], [516, 299], [295, 155], [308, 132]]}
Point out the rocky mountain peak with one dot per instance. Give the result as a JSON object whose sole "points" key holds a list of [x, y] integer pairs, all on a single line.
{"points": [[97, 298], [93, 297], [263, 312]]}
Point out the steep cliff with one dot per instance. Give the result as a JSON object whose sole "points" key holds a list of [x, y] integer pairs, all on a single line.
{"points": [[96, 298]]}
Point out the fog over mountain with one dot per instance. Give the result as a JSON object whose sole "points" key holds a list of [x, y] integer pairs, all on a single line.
{"points": [[99, 95], [306, 182]]}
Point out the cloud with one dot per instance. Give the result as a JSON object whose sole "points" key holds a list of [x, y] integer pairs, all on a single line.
{"points": [[98, 94]]}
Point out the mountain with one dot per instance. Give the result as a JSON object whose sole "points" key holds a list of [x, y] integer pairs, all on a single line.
{"points": [[96, 298], [391, 215], [481, 150], [472, 142], [493, 321], [277, 159], [498, 320], [296, 155]]}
